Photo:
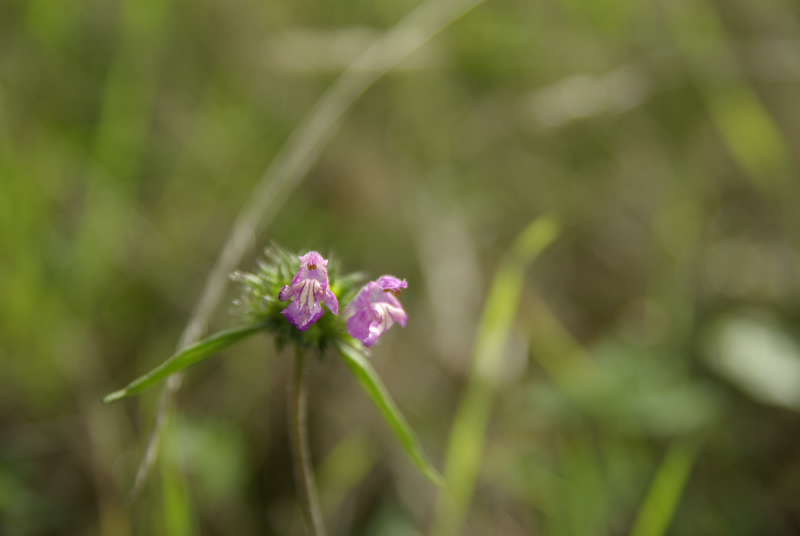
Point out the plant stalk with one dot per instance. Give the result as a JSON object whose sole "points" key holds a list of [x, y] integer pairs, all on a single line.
{"points": [[301, 455]]}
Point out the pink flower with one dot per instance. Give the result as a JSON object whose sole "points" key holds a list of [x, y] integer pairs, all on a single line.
{"points": [[309, 288], [375, 309]]}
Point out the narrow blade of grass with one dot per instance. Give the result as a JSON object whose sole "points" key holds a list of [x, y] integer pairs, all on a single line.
{"points": [[176, 502], [373, 386], [186, 358], [662, 499], [745, 123], [347, 465], [467, 436]]}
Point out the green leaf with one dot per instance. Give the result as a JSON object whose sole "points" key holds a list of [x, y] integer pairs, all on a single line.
{"points": [[667, 488], [468, 435], [186, 358], [372, 384]]}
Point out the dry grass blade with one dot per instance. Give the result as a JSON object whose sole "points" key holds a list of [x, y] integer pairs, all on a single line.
{"points": [[290, 166]]}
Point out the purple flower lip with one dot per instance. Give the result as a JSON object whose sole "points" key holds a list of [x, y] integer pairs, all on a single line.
{"points": [[375, 309], [309, 288], [390, 283]]}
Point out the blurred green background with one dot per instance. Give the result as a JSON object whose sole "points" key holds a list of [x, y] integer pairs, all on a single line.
{"points": [[650, 382]]}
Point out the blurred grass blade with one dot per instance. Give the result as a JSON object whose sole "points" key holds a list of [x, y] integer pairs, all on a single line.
{"points": [[343, 470], [375, 389], [186, 358], [748, 129], [176, 501], [467, 436], [667, 488]]}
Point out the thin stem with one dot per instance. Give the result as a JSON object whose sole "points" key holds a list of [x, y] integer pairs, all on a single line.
{"points": [[298, 430]]}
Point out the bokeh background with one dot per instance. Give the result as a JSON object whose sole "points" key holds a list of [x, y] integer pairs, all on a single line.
{"points": [[651, 380]]}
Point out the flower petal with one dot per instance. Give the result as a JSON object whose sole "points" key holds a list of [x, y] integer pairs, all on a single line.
{"points": [[331, 302], [358, 325], [390, 282], [295, 315], [285, 293], [308, 289], [375, 309]]}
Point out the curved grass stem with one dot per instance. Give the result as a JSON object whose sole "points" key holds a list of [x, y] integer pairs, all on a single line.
{"points": [[301, 455]]}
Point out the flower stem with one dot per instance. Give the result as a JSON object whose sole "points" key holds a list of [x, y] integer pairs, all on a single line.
{"points": [[298, 430]]}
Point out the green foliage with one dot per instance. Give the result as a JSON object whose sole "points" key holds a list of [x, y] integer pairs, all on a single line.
{"points": [[661, 134], [467, 437], [260, 306], [373, 386], [667, 488], [192, 355]]}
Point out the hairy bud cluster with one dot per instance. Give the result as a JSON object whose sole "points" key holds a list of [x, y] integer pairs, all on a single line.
{"points": [[307, 282]]}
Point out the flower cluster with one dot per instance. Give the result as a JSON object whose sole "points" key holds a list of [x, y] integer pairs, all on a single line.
{"points": [[308, 286]]}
